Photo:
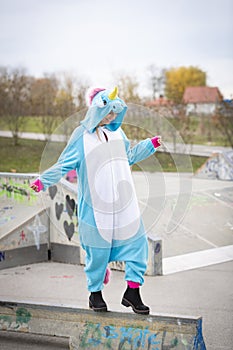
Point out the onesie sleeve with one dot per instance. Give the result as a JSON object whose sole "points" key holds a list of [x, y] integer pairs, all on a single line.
{"points": [[68, 160], [140, 151]]}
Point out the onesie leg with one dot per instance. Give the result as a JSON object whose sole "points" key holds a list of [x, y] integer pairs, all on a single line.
{"points": [[135, 256], [96, 266]]}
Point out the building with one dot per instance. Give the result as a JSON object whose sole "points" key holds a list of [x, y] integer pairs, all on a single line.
{"points": [[201, 99], [159, 102]]}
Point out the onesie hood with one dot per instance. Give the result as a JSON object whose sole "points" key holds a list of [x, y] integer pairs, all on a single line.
{"points": [[104, 101]]}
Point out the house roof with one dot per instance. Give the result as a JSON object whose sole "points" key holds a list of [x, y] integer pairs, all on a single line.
{"points": [[202, 94], [161, 101]]}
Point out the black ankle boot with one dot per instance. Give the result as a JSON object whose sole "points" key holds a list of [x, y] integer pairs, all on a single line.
{"points": [[96, 302], [132, 298]]}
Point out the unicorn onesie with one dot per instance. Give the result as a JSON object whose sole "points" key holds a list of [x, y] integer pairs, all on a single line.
{"points": [[110, 224]]}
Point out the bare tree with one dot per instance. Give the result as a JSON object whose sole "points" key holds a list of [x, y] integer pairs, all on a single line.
{"points": [[223, 120], [156, 80], [128, 86], [15, 89], [43, 95], [64, 99]]}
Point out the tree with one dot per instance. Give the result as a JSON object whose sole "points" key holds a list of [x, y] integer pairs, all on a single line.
{"points": [[43, 95], [64, 104], [15, 90], [177, 79], [156, 80], [71, 98], [128, 88], [223, 120]]}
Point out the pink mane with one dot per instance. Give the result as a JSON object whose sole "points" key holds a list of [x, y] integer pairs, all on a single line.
{"points": [[93, 93]]}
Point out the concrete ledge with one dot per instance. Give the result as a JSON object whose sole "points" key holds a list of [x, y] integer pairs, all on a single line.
{"points": [[23, 256], [113, 330], [27, 341]]}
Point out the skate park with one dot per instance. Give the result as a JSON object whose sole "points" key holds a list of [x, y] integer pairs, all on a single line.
{"points": [[187, 283], [168, 64]]}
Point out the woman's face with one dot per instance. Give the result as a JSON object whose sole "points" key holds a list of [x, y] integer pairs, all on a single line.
{"points": [[108, 119]]}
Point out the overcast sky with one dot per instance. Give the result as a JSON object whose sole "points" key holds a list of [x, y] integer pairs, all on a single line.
{"points": [[99, 39]]}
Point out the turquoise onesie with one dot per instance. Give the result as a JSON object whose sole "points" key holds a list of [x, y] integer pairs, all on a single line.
{"points": [[109, 220]]}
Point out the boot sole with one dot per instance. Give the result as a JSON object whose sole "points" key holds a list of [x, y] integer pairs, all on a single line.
{"points": [[127, 303], [98, 309]]}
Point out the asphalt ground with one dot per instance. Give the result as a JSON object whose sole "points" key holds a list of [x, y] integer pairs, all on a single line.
{"points": [[206, 292]]}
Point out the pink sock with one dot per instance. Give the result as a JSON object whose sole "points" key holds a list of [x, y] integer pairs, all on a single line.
{"points": [[132, 284], [107, 276]]}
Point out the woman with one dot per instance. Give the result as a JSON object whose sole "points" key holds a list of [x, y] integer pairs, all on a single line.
{"points": [[110, 224]]}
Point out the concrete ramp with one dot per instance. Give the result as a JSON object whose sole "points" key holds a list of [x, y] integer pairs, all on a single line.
{"points": [[24, 223], [112, 330], [218, 166]]}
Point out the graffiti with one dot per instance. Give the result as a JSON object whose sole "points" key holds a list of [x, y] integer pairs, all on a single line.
{"points": [[5, 208], [199, 200], [14, 189], [2, 256], [157, 248], [6, 219], [19, 322], [22, 316], [64, 212], [70, 206], [19, 191], [219, 166], [112, 337], [69, 229], [37, 228], [58, 210], [4, 215], [22, 237], [117, 335], [52, 191]]}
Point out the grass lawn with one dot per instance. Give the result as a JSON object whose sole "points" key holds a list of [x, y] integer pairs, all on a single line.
{"points": [[31, 124], [26, 158], [202, 130]]}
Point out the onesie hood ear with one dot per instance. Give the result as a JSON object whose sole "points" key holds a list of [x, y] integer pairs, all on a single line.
{"points": [[102, 102]]}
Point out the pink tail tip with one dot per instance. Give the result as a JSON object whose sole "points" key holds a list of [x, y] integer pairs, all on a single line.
{"points": [[107, 276]]}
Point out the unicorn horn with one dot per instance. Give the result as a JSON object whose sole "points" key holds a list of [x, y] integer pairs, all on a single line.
{"points": [[113, 94]]}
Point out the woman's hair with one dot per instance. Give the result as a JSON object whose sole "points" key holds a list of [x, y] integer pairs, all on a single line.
{"points": [[98, 134]]}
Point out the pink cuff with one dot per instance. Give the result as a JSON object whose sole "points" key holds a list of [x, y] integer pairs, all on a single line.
{"points": [[132, 284], [156, 141], [39, 185]]}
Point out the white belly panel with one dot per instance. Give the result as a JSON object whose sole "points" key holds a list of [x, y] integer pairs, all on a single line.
{"points": [[113, 195]]}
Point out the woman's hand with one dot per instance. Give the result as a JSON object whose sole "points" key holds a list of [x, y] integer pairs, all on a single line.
{"points": [[34, 187], [37, 186], [156, 140]]}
